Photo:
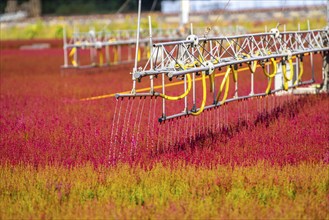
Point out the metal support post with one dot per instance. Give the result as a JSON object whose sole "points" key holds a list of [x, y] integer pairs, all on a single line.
{"points": [[325, 65], [325, 69], [137, 45], [163, 85], [151, 55], [65, 47]]}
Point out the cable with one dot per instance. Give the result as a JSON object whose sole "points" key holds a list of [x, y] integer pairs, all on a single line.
{"points": [[209, 28], [153, 5], [122, 7]]}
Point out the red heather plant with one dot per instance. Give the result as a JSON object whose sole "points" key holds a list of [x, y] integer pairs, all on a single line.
{"points": [[40, 126]]}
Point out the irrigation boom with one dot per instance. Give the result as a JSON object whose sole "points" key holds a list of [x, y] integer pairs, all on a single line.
{"points": [[108, 48], [280, 52]]}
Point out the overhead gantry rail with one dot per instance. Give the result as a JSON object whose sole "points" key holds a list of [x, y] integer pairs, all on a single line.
{"points": [[201, 56]]}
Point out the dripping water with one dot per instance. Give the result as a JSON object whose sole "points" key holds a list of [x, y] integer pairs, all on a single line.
{"points": [[148, 132], [133, 138], [116, 145], [111, 156], [125, 124], [153, 132], [125, 132], [138, 127]]}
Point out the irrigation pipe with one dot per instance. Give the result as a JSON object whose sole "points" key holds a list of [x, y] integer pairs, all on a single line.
{"points": [[301, 71], [270, 76], [251, 67], [175, 98], [226, 83], [286, 79], [274, 69], [71, 55], [284, 70], [101, 58], [204, 98]]}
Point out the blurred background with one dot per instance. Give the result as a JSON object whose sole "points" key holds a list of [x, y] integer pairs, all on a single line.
{"points": [[77, 7], [41, 19]]}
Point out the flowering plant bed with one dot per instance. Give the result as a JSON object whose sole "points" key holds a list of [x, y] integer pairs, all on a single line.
{"points": [[62, 157]]}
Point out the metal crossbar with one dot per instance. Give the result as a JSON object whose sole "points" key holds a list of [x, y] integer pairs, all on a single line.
{"points": [[226, 51]]}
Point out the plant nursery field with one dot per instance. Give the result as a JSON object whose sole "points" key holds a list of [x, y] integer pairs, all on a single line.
{"points": [[65, 157]]}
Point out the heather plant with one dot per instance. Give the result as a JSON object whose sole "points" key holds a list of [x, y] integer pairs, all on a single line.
{"points": [[178, 191], [61, 157], [44, 122]]}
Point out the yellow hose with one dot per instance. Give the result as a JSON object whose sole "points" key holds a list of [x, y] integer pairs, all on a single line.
{"points": [[204, 89], [301, 71], [270, 76], [253, 66], [285, 84], [226, 90], [212, 82], [225, 82], [235, 74], [101, 58], [175, 98], [274, 68], [148, 54], [189, 65], [139, 55], [284, 70], [268, 89], [115, 54], [71, 55], [197, 63], [215, 61]]}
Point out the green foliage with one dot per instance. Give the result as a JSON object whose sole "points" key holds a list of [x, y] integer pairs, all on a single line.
{"points": [[59, 30], [43, 30], [259, 191], [76, 8], [2, 6], [34, 30], [62, 7]]}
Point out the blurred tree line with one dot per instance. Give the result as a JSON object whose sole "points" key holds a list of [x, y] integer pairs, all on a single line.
{"points": [[77, 7]]}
